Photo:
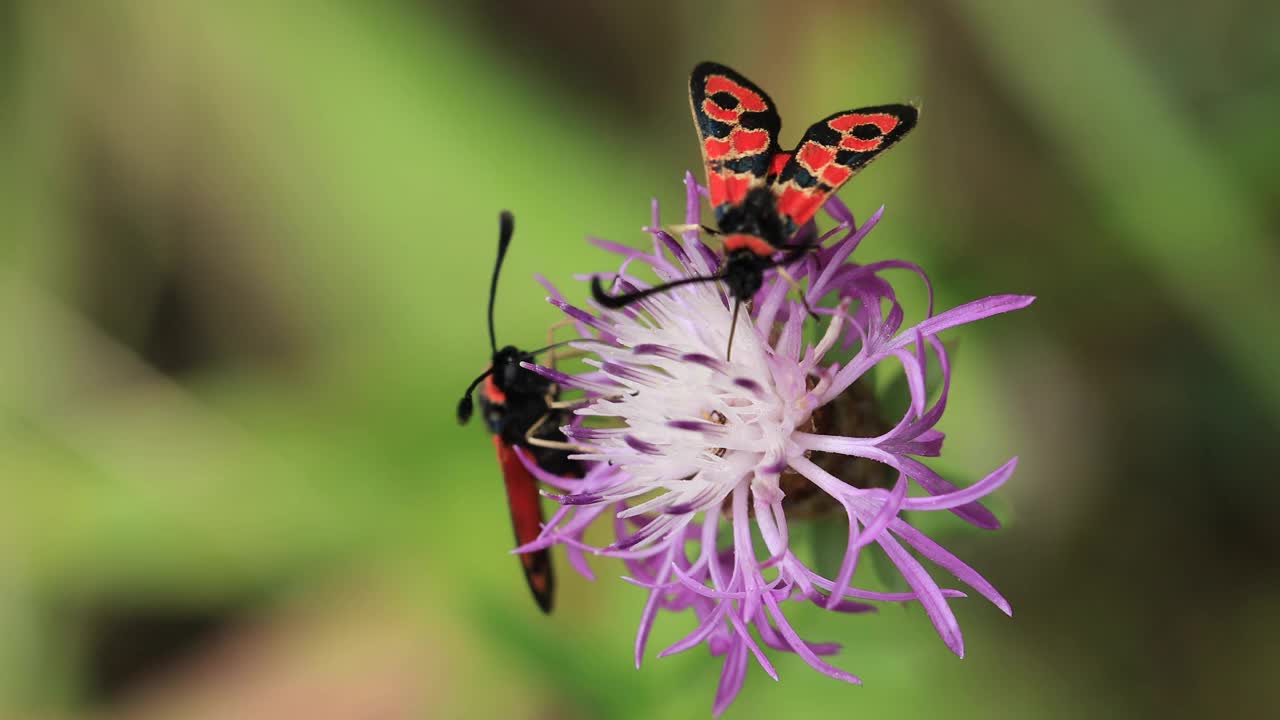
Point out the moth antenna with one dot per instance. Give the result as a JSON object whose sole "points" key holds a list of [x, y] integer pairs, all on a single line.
{"points": [[613, 302], [464, 405], [506, 227], [562, 343]]}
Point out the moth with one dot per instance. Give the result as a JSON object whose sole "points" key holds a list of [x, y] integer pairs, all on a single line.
{"points": [[761, 194], [521, 409]]}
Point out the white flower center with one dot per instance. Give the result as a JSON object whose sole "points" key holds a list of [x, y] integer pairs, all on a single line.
{"points": [[696, 425]]}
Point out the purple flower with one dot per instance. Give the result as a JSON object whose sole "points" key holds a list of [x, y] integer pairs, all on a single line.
{"points": [[691, 450]]}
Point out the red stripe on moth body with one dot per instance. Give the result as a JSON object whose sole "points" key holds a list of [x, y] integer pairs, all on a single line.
{"points": [[779, 161], [814, 156], [747, 99], [758, 246], [749, 142], [492, 392], [800, 205], [716, 148]]}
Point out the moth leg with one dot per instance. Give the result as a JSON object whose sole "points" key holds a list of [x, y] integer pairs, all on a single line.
{"points": [[795, 285], [791, 254], [685, 227], [795, 252], [569, 404], [551, 338], [553, 358], [569, 355], [529, 439], [553, 392], [551, 331]]}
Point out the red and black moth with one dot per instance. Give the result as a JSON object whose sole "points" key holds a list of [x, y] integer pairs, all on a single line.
{"points": [[520, 408], [762, 194]]}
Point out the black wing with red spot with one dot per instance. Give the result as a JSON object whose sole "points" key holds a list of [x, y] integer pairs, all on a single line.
{"points": [[832, 151], [526, 517], [738, 127]]}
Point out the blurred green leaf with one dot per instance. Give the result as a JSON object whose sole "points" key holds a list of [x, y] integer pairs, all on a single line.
{"points": [[828, 538], [886, 572], [1152, 175]]}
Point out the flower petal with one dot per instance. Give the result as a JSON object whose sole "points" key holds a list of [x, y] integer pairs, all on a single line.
{"points": [[952, 564], [935, 605]]}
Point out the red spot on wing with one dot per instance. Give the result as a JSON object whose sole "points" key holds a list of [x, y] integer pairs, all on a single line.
{"points": [[736, 187], [748, 100], [755, 244], [715, 186], [716, 148], [854, 143], [728, 188], [800, 205], [526, 519], [722, 114], [815, 156], [867, 132], [749, 142], [835, 175], [492, 392], [779, 161], [846, 123]]}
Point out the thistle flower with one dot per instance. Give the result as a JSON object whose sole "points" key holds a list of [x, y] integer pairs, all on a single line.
{"points": [[690, 447]]}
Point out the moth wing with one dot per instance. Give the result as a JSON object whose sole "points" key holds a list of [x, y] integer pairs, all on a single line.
{"points": [[526, 519], [737, 126], [833, 150]]}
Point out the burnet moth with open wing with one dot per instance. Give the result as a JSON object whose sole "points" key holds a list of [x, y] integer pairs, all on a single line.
{"points": [[762, 194], [521, 410]]}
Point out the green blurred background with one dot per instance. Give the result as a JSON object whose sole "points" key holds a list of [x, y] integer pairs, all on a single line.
{"points": [[242, 273]]}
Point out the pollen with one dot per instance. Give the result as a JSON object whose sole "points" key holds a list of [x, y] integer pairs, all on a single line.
{"points": [[718, 418]]}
